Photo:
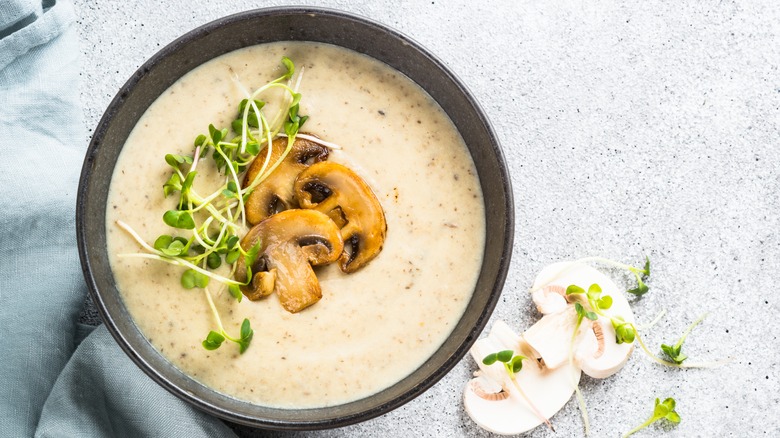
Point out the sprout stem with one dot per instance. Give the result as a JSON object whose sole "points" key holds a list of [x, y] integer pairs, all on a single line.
{"points": [[580, 398], [653, 322], [181, 262], [682, 365], [216, 316], [137, 238], [532, 405], [640, 427], [314, 139]]}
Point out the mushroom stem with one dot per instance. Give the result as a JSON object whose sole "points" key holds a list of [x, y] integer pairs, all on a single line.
{"points": [[532, 405]]}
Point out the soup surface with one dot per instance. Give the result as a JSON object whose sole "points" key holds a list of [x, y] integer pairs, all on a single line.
{"points": [[371, 328]]}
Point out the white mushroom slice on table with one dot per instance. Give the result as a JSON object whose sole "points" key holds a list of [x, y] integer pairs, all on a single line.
{"points": [[550, 299], [549, 390], [596, 349], [598, 354], [551, 336]]}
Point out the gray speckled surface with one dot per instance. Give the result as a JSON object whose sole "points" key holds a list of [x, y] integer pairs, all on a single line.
{"points": [[649, 129]]}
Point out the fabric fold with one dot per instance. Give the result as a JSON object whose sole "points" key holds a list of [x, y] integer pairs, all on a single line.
{"points": [[42, 141], [48, 390], [100, 393]]}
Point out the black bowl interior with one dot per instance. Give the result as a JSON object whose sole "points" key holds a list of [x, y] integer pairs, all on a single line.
{"points": [[257, 27]]}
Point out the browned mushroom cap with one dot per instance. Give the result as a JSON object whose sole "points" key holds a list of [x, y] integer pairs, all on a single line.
{"points": [[341, 194], [290, 242], [276, 192]]}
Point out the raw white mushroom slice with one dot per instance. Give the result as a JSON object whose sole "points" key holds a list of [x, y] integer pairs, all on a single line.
{"points": [[613, 355], [551, 336], [550, 299], [601, 358], [549, 390], [504, 335]]}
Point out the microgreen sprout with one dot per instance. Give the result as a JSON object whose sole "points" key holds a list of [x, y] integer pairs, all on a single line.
{"points": [[673, 351], [215, 339], [513, 364], [663, 410], [207, 228]]}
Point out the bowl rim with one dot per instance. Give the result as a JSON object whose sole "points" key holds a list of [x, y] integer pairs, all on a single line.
{"points": [[84, 253]]}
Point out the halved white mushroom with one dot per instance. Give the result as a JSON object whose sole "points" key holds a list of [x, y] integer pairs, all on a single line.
{"points": [[551, 336], [548, 389], [598, 354], [596, 349]]}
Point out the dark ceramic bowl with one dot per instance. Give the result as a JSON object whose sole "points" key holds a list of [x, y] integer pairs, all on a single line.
{"points": [[263, 26]]}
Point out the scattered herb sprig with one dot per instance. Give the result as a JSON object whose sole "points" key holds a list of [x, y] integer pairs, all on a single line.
{"points": [[625, 332], [673, 351], [513, 364], [208, 227], [662, 410]]}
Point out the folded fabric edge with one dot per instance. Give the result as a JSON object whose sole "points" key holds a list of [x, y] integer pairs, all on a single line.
{"points": [[52, 22]]}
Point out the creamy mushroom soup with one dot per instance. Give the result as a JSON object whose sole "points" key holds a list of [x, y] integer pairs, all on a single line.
{"points": [[371, 328]]}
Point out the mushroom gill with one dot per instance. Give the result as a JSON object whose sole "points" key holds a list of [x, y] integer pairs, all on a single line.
{"points": [[276, 192], [340, 193]]}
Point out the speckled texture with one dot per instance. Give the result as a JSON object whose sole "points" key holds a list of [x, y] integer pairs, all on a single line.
{"points": [[629, 130]]}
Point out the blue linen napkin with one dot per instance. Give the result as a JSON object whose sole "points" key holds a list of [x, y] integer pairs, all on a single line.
{"points": [[49, 386]]}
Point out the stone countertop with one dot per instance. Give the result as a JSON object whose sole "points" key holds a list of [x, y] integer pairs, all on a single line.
{"points": [[650, 129]]}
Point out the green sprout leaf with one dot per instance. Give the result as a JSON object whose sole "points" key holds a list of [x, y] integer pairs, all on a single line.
{"points": [[213, 260], [516, 364], [232, 256], [246, 336], [288, 64], [662, 410], [242, 105], [213, 340], [253, 147], [235, 292], [604, 302], [624, 333], [179, 219], [490, 359], [594, 291], [237, 126], [582, 313], [232, 241], [172, 185], [175, 160], [505, 356], [574, 289], [215, 134], [641, 274], [171, 246], [199, 140], [251, 255], [640, 290], [674, 351], [191, 279]]}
